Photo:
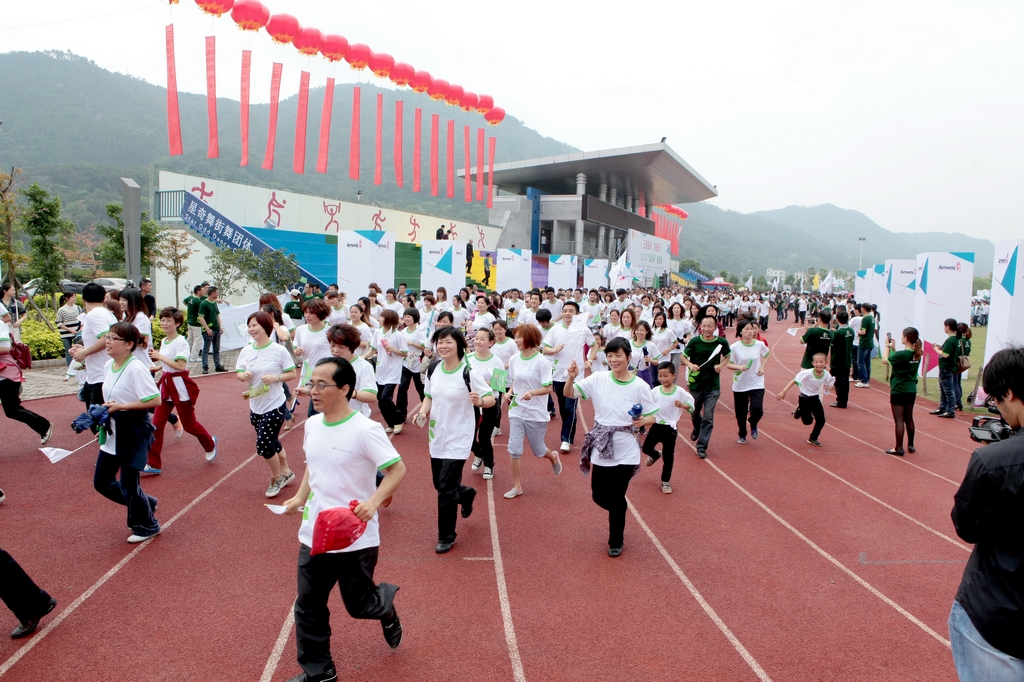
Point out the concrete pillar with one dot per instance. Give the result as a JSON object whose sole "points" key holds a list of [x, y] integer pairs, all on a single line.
{"points": [[601, 238], [613, 197], [611, 243], [581, 184], [580, 237], [602, 191], [629, 203]]}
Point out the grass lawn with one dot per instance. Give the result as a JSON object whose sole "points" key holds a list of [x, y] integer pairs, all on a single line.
{"points": [[978, 337]]}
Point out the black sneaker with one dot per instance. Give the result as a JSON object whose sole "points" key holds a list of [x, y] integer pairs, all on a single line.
{"points": [[694, 435], [219, 368], [466, 501], [392, 630], [796, 413], [937, 412], [615, 551], [444, 546], [947, 415], [702, 454], [329, 675], [27, 627]]}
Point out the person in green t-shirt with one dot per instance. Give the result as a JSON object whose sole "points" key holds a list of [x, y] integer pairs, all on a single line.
{"points": [[949, 355], [195, 330], [293, 308], [817, 339], [840, 358], [209, 318], [705, 356], [866, 341], [906, 365]]}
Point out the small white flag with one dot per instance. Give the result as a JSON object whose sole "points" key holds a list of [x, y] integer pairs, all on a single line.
{"points": [[56, 454], [579, 322], [792, 331], [278, 508]]}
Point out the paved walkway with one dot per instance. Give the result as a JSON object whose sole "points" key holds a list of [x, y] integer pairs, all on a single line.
{"points": [[49, 381]]}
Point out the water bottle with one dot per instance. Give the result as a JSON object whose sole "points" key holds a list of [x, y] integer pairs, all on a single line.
{"points": [[636, 412]]}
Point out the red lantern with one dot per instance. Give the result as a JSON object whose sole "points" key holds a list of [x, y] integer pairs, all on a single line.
{"points": [[381, 64], [402, 74], [334, 47], [283, 28], [250, 15], [495, 116], [485, 104], [682, 214], [215, 7], [438, 89], [454, 95], [469, 102], [420, 81], [308, 41], [358, 56]]}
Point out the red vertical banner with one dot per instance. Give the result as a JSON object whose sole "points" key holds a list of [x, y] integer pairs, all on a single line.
{"points": [[435, 124], [275, 95], [244, 110], [213, 146], [450, 160], [353, 140], [480, 164], [325, 128], [378, 143], [642, 208], [491, 143], [399, 175], [469, 175], [173, 119], [416, 140], [301, 118]]}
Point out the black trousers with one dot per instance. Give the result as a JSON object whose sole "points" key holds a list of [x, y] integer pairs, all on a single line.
{"points": [[16, 411], [703, 416], [608, 487], [811, 409], [352, 572], [842, 377], [567, 412], [482, 446], [447, 475], [402, 401], [666, 436], [127, 491], [22, 596], [386, 403], [93, 394], [752, 401]]}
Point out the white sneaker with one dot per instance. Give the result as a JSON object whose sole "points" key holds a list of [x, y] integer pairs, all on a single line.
{"points": [[136, 539], [212, 455], [49, 432], [287, 478], [488, 473], [861, 384], [477, 463], [496, 432], [564, 446], [275, 487], [179, 430], [397, 429], [515, 492]]}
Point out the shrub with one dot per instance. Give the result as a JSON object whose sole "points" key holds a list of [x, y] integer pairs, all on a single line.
{"points": [[44, 343]]}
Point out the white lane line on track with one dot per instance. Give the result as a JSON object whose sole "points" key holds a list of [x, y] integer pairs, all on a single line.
{"points": [[282, 639], [17, 655], [506, 608], [719, 623], [863, 583]]}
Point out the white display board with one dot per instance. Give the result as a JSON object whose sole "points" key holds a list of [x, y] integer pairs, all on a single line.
{"points": [[563, 272], [365, 256], [1006, 315], [861, 286], [648, 253], [595, 273], [944, 284], [877, 283], [234, 323], [514, 269], [443, 264], [897, 303]]}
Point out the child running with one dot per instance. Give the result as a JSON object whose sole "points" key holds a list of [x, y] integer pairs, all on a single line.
{"points": [[671, 401], [811, 382]]}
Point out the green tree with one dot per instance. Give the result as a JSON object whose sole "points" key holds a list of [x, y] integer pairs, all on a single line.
{"points": [[761, 283], [790, 279], [982, 283], [732, 279], [174, 248], [9, 212], [48, 235], [230, 268], [111, 251], [273, 271]]}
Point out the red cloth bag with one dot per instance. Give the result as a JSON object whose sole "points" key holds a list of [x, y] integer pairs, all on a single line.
{"points": [[336, 528]]}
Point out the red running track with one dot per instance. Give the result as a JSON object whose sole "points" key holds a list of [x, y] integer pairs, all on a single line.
{"points": [[773, 560]]}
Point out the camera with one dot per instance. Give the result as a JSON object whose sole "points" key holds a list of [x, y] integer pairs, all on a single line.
{"points": [[989, 429]]}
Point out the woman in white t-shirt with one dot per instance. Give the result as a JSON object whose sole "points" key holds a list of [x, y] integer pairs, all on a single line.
{"points": [[483, 318], [611, 329], [412, 367], [264, 366], [357, 318], [748, 359], [10, 387], [611, 447], [596, 361], [391, 351], [448, 412], [644, 354], [135, 311], [460, 316], [128, 393], [310, 341], [492, 369], [662, 335]]}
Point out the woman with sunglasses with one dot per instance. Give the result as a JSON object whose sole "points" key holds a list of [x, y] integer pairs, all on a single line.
{"points": [[128, 394], [264, 366]]}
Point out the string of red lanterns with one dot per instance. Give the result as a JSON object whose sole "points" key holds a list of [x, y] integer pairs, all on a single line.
{"points": [[252, 15]]}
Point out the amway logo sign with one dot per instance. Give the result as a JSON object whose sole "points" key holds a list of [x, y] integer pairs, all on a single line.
{"points": [[357, 245], [906, 272], [436, 252], [1004, 260], [955, 267]]}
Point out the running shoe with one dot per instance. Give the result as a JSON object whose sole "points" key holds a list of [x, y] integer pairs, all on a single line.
{"points": [[389, 430], [615, 551], [666, 487], [650, 461], [815, 443], [179, 430], [275, 487], [488, 473], [212, 455], [496, 432], [564, 447], [397, 429], [556, 466], [287, 478], [741, 440], [694, 435], [753, 433], [477, 463], [861, 384], [136, 539], [151, 470], [512, 494], [703, 454], [466, 501], [49, 432], [392, 630]]}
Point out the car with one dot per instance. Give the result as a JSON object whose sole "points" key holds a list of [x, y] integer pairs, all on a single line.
{"points": [[111, 283], [29, 288], [70, 287]]}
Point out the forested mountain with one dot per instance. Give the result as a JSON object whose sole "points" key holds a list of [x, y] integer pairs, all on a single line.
{"points": [[76, 128]]}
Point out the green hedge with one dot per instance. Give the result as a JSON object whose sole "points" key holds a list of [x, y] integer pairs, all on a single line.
{"points": [[43, 343]]}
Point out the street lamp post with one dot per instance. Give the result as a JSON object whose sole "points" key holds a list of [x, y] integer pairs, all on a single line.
{"points": [[861, 240]]}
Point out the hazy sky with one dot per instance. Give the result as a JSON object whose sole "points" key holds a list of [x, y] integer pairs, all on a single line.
{"points": [[910, 112]]}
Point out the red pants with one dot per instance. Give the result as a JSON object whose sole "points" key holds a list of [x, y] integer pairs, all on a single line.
{"points": [[187, 415]]}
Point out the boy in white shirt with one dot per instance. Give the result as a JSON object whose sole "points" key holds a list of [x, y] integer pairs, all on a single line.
{"points": [[671, 401], [811, 382]]}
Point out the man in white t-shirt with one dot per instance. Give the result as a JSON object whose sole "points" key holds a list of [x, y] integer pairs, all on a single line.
{"points": [[552, 303], [97, 322], [344, 451], [855, 320], [528, 315], [563, 345]]}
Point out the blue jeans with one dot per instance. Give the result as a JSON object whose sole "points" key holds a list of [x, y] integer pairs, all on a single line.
{"points": [[67, 350], [211, 339], [947, 399], [567, 411], [864, 363], [975, 659], [958, 391]]}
